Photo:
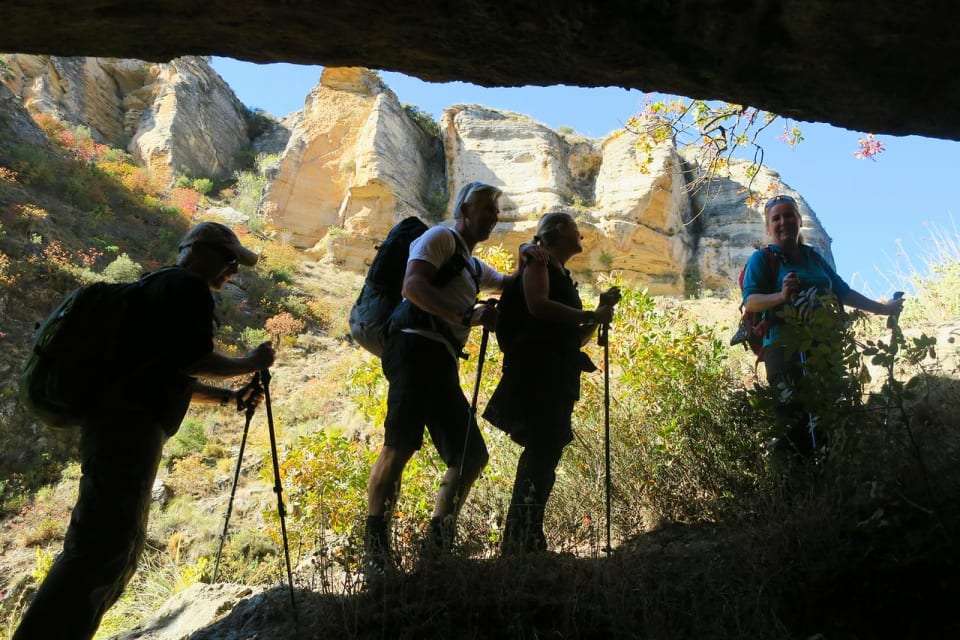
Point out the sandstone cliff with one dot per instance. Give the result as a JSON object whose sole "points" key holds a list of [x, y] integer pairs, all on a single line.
{"points": [[357, 163], [354, 164], [177, 118]]}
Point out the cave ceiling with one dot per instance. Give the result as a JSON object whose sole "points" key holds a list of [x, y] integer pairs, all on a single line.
{"points": [[882, 66]]}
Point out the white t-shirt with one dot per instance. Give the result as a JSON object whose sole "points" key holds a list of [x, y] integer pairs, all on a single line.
{"points": [[436, 246]]}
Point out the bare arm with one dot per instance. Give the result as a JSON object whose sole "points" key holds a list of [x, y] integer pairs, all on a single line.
{"points": [[217, 365], [857, 300], [418, 288], [536, 289], [208, 394], [247, 395], [528, 252]]}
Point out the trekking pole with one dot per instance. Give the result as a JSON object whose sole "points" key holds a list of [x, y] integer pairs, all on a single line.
{"points": [[277, 488], [236, 474], [476, 394], [602, 336], [893, 325]]}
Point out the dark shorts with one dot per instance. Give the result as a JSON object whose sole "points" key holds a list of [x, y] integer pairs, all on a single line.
{"points": [[425, 392]]}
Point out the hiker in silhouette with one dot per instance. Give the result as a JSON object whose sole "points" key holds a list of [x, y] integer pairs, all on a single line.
{"points": [[803, 278], [541, 329], [169, 341], [420, 361]]}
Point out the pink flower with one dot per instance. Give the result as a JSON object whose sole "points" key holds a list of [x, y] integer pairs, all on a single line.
{"points": [[870, 148]]}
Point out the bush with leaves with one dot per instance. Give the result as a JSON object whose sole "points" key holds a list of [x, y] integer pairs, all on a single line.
{"points": [[423, 119], [122, 269], [684, 443]]}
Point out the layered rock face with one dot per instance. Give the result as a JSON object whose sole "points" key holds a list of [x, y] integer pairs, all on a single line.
{"points": [[357, 163], [178, 117], [194, 125]]}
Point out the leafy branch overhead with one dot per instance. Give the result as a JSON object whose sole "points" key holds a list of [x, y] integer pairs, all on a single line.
{"points": [[719, 132]]}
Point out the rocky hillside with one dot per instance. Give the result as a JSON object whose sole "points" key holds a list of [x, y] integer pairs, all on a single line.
{"points": [[354, 161], [176, 118]]}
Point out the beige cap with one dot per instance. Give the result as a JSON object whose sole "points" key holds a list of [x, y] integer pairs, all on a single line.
{"points": [[220, 235]]}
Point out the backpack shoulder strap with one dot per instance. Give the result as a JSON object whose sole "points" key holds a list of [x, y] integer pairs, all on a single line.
{"points": [[773, 265], [460, 260], [476, 272]]}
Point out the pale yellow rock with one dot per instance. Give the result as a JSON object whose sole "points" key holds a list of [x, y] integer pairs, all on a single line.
{"points": [[354, 165]]}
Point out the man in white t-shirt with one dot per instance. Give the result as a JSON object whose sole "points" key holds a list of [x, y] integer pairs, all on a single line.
{"points": [[428, 332]]}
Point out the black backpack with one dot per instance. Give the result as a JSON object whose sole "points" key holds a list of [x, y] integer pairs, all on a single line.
{"points": [[378, 309], [78, 349], [381, 289]]}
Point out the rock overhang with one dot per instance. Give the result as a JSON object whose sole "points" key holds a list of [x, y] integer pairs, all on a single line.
{"points": [[886, 67]]}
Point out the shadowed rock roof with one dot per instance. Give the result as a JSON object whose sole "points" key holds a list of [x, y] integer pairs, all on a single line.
{"points": [[883, 66]]}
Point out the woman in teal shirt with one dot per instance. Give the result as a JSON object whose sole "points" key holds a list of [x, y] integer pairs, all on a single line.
{"points": [[799, 271]]}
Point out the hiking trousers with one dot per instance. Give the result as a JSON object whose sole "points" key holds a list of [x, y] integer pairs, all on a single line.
{"points": [[106, 534]]}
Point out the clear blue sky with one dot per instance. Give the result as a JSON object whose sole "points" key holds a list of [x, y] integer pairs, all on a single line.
{"points": [[870, 209]]}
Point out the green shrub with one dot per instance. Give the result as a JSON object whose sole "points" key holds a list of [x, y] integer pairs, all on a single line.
{"points": [[436, 204], [249, 188], [423, 119], [203, 186], [122, 269], [251, 337], [191, 438]]}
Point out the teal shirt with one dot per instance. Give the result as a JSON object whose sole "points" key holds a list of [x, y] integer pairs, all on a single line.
{"points": [[812, 270]]}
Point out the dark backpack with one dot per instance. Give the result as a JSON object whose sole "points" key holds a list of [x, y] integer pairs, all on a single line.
{"points": [[77, 350], [753, 324], [380, 296], [381, 289]]}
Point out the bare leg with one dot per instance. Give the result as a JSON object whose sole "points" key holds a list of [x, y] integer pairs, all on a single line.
{"points": [[456, 485], [384, 485]]}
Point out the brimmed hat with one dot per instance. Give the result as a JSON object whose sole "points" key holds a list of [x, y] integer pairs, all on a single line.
{"points": [[220, 235]]}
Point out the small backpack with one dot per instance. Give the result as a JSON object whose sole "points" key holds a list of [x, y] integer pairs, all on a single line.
{"points": [[381, 289], [77, 349], [753, 325], [380, 295]]}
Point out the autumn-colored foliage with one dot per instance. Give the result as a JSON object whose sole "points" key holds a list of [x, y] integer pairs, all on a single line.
{"points": [[283, 325], [185, 199]]}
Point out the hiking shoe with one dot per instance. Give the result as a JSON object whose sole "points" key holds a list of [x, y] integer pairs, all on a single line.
{"points": [[523, 531], [438, 540], [377, 557]]}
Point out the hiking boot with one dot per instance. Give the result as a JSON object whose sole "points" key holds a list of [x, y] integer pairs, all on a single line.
{"points": [[438, 540], [377, 557], [523, 531]]}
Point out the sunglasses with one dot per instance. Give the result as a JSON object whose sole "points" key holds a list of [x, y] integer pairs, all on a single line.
{"points": [[774, 200]]}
